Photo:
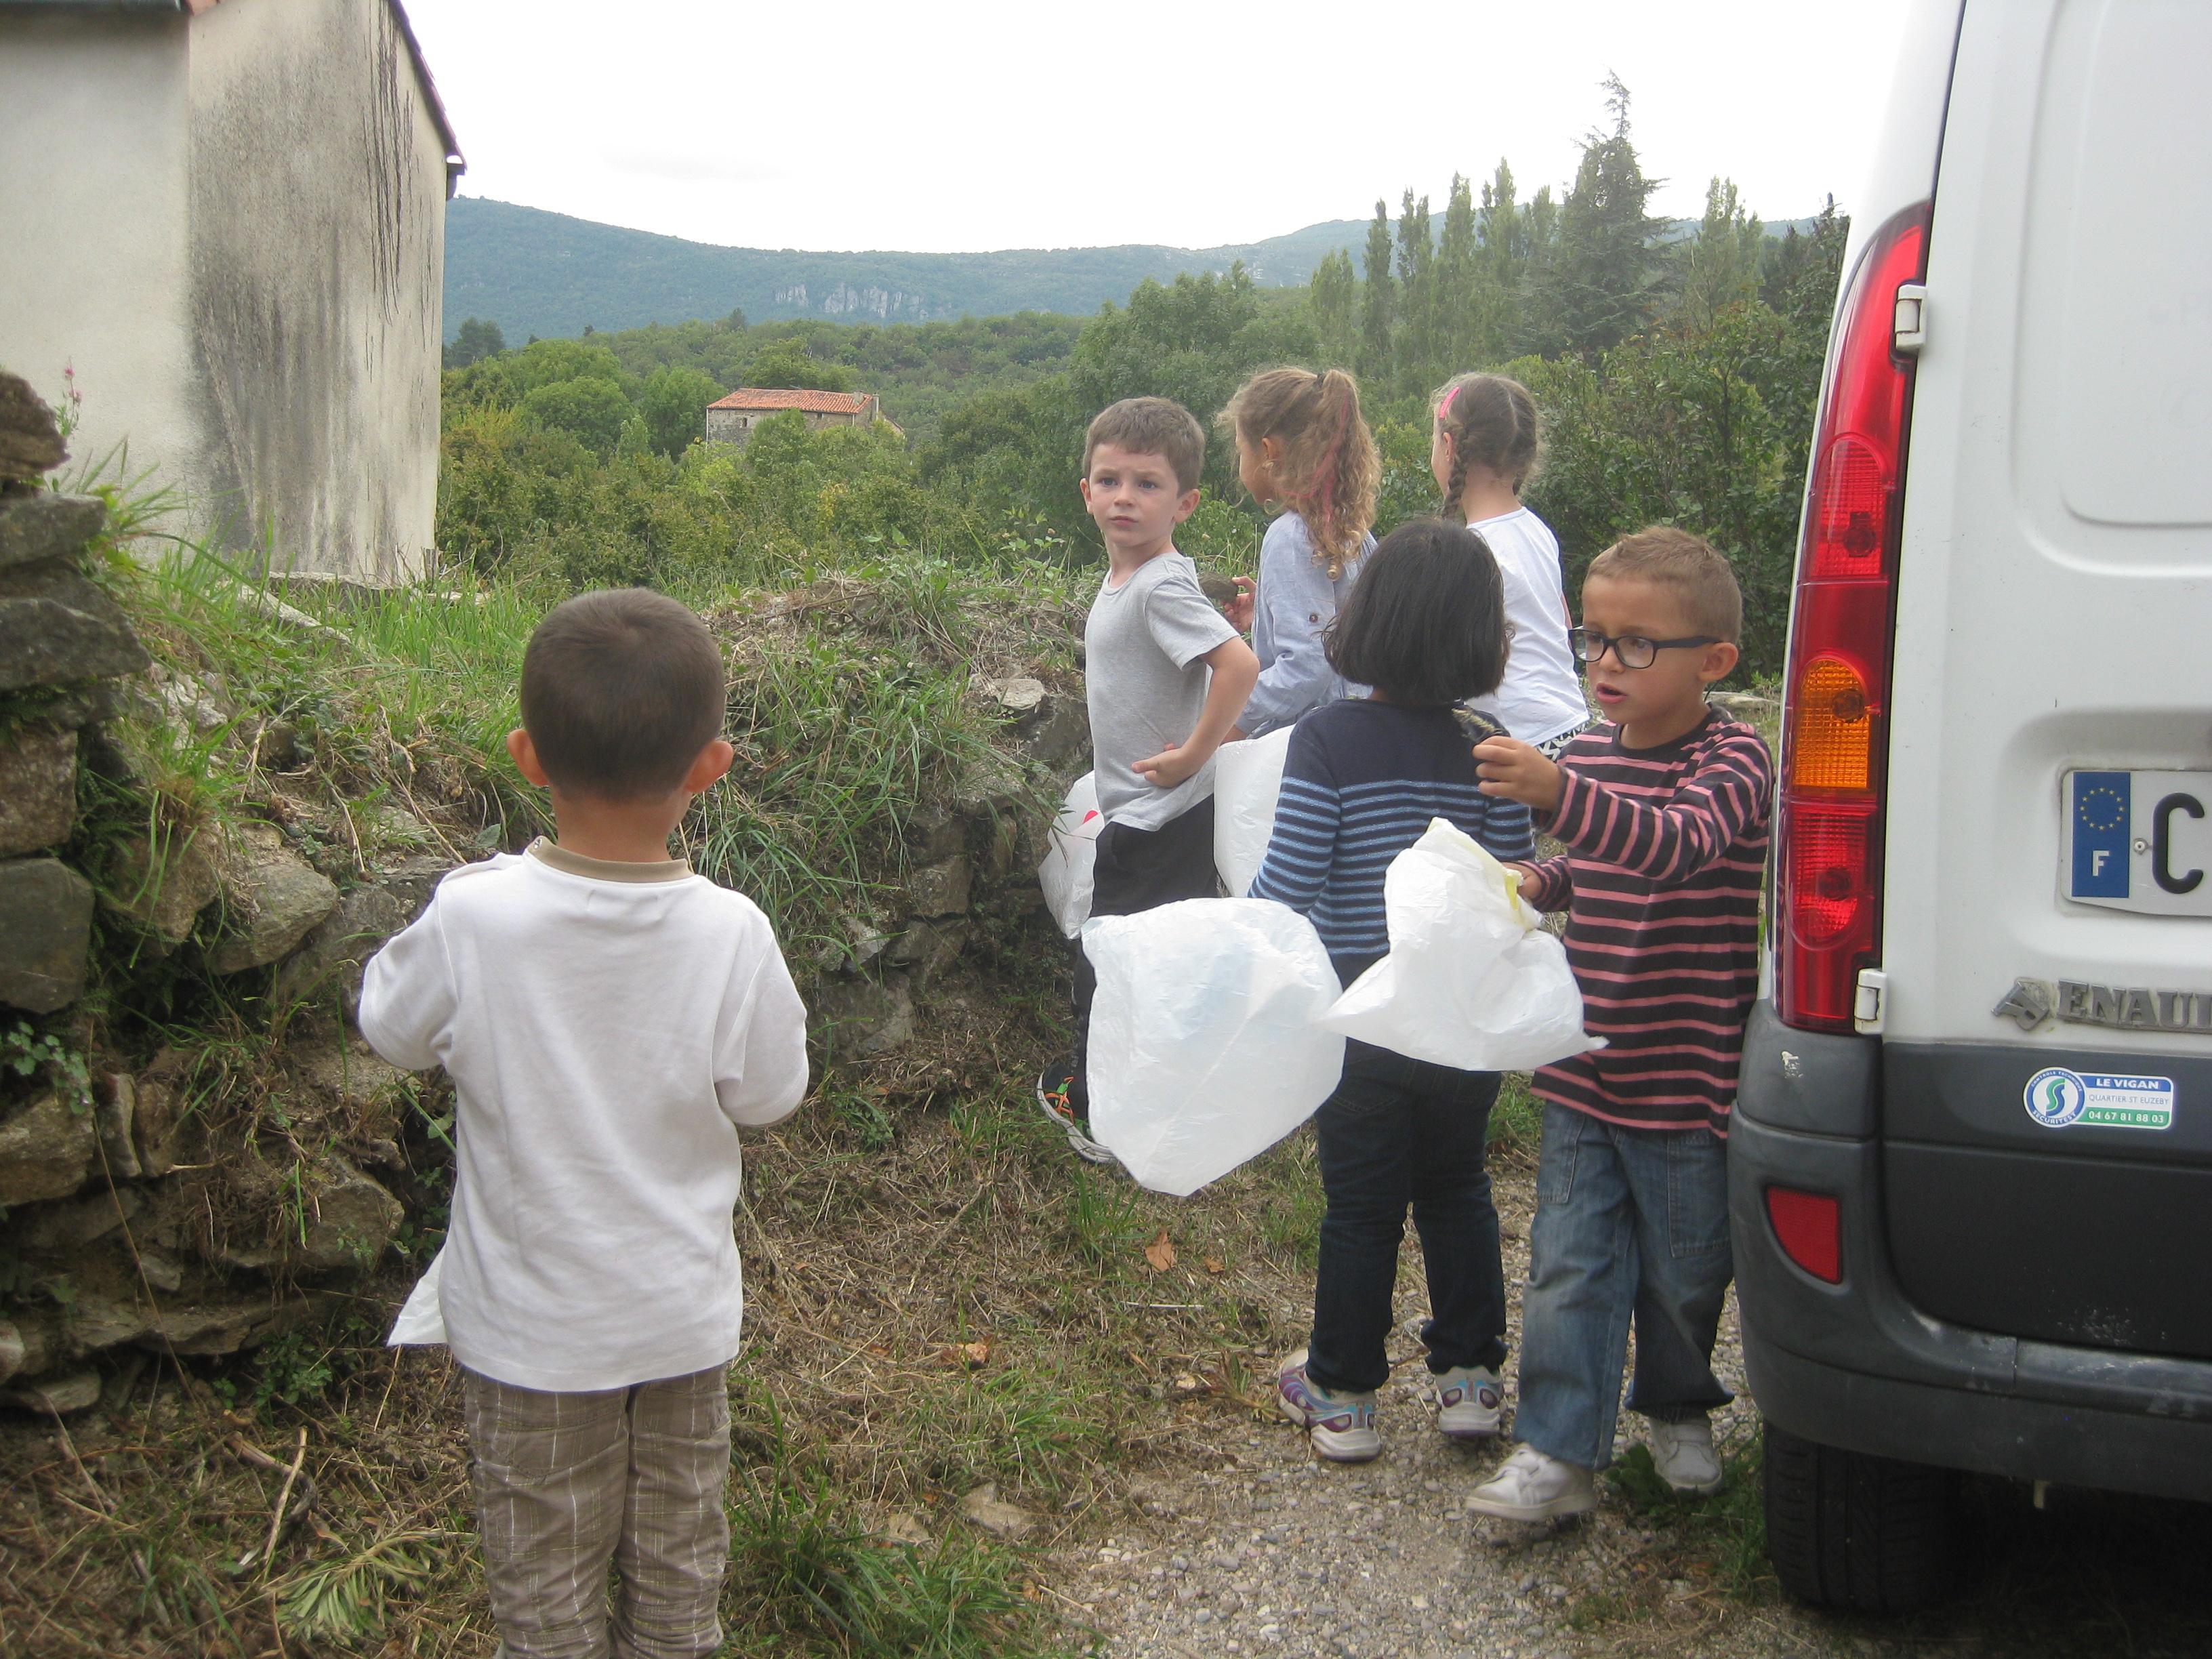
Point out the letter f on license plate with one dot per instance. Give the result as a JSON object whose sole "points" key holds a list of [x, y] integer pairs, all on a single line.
{"points": [[2138, 840]]}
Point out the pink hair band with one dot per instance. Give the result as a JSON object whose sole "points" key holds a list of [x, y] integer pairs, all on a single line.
{"points": [[1444, 407]]}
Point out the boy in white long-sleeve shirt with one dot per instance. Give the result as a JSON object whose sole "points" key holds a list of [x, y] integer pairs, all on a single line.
{"points": [[609, 1020]]}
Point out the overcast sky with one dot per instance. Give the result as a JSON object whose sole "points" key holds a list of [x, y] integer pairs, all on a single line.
{"points": [[982, 123]]}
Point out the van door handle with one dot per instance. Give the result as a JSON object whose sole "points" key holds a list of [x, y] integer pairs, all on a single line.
{"points": [[2161, 842]]}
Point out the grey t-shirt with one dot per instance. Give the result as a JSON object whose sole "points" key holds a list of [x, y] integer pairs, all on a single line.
{"points": [[1146, 686]]}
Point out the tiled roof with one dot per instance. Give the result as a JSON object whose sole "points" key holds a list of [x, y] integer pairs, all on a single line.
{"points": [[813, 403]]}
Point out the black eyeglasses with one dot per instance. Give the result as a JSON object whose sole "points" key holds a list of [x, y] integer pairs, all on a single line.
{"points": [[1633, 649]]}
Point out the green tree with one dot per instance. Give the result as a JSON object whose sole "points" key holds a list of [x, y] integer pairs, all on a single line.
{"points": [[1416, 351], [1719, 266], [1800, 272], [590, 410], [1597, 284], [1459, 285], [504, 381], [1333, 298], [786, 364], [1502, 235], [1378, 307], [673, 404], [1194, 340], [476, 339]]}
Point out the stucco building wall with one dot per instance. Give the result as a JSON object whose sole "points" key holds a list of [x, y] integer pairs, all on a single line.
{"points": [[239, 245], [735, 426], [317, 345], [93, 181]]}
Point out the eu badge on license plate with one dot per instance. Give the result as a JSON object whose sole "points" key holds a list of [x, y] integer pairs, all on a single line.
{"points": [[2139, 840]]}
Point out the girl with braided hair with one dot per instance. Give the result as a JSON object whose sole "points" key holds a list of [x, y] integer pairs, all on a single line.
{"points": [[1301, 442], [1484, 452]]}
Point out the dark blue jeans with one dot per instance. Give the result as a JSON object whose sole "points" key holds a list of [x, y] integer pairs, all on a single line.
{"points": [[1401, 1134]]}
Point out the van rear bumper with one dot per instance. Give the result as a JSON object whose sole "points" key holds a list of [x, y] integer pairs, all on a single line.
{"points": [[1857, 1365]]}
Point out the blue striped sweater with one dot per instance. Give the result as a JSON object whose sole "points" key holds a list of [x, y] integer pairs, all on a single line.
{"points": [[1360, 784]]}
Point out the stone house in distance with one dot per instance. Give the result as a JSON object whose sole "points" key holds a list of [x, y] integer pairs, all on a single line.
{"points": [[224, 229], [731, 421]]}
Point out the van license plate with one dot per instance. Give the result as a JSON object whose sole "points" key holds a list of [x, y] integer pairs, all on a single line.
{"points": [[2139, 840]]}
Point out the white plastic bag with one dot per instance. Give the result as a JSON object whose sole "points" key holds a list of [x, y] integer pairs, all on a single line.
{"points": [[1248, 776], [1472, 980], [423, 1319], [1065, 875], [1204, 1047]]}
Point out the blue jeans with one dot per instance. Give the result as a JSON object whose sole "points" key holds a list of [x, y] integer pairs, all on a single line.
{"points": [[1401, 1134], [1631, 1224]]}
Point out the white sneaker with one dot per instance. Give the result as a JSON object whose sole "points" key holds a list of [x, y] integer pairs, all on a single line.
{"points": [[1469, 1402], [1684, 1456], [1533, 1486]]}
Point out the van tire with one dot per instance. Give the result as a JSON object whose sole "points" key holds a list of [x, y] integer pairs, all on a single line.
{"points": [[1845, 1530]]}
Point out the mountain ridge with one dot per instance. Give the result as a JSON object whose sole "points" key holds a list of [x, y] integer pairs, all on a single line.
{"points": [[535, 272]]}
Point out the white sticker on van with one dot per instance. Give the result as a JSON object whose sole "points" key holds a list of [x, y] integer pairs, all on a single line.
{"points": [[2057, 1099]]}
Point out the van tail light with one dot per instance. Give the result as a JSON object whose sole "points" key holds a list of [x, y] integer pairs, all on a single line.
{"points": [[1836, 689], [1809, 1227]]}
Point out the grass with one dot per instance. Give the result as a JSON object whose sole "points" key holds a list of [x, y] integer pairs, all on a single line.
{"points": [[378, 734]]}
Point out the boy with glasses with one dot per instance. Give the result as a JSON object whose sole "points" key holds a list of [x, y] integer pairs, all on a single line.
{"points": [[1663, 810]]}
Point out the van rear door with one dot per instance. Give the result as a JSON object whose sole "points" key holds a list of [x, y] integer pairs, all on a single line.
{"points": [[2047, 901]]}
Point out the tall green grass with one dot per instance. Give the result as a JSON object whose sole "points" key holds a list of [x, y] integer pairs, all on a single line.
{"points": [[845, 724]]}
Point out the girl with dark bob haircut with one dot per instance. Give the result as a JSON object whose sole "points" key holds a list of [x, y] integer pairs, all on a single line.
{"points": [[1432, 632], [1362, 779]]}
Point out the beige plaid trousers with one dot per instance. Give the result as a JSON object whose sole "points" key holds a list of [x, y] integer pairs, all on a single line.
{"points": [[567, 1483]]}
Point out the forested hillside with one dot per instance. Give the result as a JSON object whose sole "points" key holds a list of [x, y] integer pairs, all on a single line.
{"points": [[535, 272], [1676, 373]]}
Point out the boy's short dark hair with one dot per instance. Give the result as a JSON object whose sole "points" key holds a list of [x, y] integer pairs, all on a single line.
{"points": [[1425, 623], [1150, 426], [1700, 575], [621, 690]]}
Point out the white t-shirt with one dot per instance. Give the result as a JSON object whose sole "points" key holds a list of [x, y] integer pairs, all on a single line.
{"points": [[607, 1027], [1146, 687], [1542, 693]]}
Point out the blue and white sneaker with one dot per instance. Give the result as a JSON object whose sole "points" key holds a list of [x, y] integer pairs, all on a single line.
{"points": [[1341, 1425], [1469, 1402]]}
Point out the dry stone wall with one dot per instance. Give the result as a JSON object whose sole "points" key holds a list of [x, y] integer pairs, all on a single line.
{"points": [[105, 1178]]}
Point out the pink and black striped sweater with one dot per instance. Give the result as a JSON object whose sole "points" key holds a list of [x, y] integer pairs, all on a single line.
{"points": [[1666, 853]]}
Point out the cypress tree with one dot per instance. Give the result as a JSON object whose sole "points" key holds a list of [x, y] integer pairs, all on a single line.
{"points": [[1458, 293], [1377, 301], [1719, 266], [1333, 296], [1503, 234], [1538, 243], [1417, 296]]}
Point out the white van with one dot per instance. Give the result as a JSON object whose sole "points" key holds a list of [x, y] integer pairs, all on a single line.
{"points": [[1970, 1173]]}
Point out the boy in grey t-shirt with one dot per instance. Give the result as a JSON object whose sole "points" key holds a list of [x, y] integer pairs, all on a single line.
{"points": [[1167, 679]]}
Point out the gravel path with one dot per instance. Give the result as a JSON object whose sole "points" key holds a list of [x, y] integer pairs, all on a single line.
{"points": [[1267, 1549], [1256, 1546]]}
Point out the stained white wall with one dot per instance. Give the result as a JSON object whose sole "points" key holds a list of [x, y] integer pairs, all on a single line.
{"points": [[316, 252], [234, 226], [93, 188]]}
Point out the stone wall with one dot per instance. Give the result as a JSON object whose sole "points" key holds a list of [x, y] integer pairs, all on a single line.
{"points": [[108, 1178]]}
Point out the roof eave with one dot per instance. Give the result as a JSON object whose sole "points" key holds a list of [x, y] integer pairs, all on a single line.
{"points": [[456, 163]]}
